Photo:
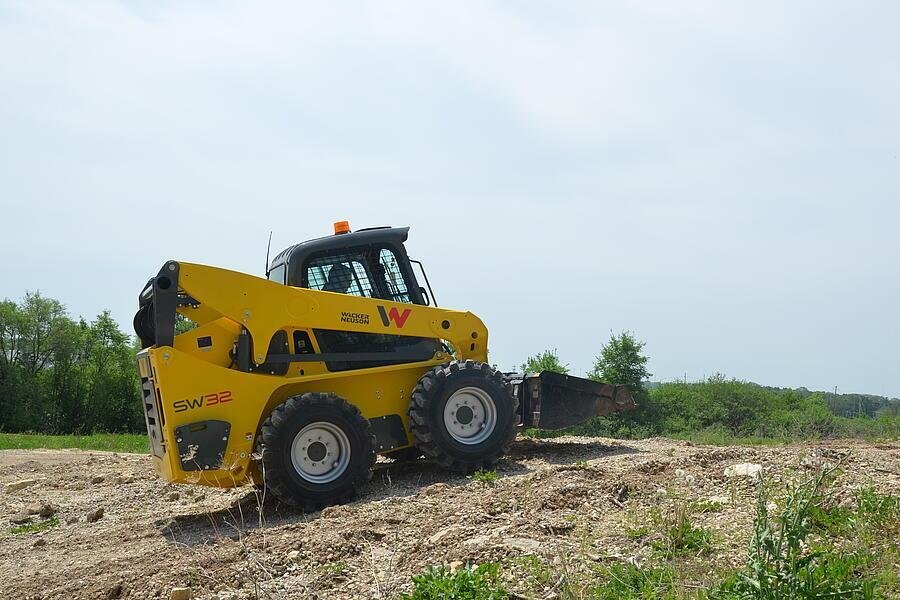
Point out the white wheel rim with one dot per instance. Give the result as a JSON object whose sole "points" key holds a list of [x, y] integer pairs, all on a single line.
{"points": [[320, 453], [470, 415]]}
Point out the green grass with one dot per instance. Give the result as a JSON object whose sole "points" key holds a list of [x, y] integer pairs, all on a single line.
{"points": [[628, 582], [678, 534], [485, 477], [35, 527], [114, 442], [471, 583]]}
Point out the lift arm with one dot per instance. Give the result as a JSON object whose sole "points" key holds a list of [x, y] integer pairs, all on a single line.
{"points": [[263, 307]]}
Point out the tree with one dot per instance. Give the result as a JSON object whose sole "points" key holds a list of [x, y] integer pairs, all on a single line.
{"points": [[183, 324], [62, 376], [622, 362], [548, 360]]}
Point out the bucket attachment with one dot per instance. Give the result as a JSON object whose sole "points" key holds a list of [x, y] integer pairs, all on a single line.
{"points": [[554, 401]]}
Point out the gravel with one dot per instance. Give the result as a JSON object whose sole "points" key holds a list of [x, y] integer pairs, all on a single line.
{"points": [[553, 498]]}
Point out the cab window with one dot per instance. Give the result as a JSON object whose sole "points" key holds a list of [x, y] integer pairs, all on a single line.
{"points": [[276, 273], [395, 285], [342, 274]]}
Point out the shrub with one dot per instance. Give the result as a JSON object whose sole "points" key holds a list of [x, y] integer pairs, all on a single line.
{"points": [[678, 534], [628, 582], [481, 582], [781, 562], [485, 477], [723, 411]]}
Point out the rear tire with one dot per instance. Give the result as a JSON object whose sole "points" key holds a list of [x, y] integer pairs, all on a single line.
{"points": [[463, 415], [317, 450]]}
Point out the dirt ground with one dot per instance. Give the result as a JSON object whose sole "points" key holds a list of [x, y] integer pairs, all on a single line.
{"points": [[553, 499]]}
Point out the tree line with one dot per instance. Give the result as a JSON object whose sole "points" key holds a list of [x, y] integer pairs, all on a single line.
{"points": [[719, 407], [59, 375]]}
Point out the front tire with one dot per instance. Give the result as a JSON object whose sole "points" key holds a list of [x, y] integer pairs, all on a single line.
{"points": [[463, 415], [317, 450]]}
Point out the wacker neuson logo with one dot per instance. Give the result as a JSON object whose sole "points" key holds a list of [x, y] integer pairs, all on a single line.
{"points": [[355, 318], [394, 316]]}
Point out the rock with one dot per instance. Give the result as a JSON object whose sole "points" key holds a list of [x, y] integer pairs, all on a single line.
{"points": [[478, 540], [97, 479], [437, 537], [123, 479], [173, 496], [180, 594], [818, 463], [293, 555], [456, 565], [20, 519], [434, 488], [114, 592], [19, 485], [71, 520], [39, 542], [45, 511], [333, 512], [95, 515], [719, 500], [751, 470]]}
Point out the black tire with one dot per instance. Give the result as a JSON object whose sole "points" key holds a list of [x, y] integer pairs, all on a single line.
{"points": [[426, 415], [278, 433], [143, 325]]}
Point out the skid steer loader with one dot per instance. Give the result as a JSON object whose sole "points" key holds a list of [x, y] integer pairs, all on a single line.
{"points": [[298, 380]]}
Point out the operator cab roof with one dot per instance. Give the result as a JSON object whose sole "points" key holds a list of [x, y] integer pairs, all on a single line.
{"points": [[370, 236]]}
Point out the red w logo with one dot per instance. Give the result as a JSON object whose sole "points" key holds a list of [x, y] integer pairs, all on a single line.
{"points": [[394, 316]]}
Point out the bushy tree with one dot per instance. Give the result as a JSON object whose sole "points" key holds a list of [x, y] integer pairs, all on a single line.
{"points": [[548, 360], [622, 361], [62, 376]]}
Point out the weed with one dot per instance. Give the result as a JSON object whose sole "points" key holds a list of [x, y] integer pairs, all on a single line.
{"points": [[833, 520], [781, 563], [636, 533], [880, 511], [580, 464], [678, 533], [333, 569], [480, 582], [35, 527], [628, 582], [706, 506], [533, 573], [485, 477]]}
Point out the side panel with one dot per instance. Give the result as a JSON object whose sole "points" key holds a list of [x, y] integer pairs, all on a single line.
{"points": [[196, 391]]}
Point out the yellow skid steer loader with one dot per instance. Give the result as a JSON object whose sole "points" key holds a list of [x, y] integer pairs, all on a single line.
{"points": [[298, 380]]}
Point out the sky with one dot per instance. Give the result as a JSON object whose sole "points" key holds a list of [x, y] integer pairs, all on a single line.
{"points": [[720, 178]]}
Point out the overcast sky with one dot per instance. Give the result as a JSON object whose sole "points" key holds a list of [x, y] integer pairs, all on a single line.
{"points": [[721, 178]]}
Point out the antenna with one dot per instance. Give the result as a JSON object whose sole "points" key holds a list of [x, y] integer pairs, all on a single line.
{"points": [[268, 247]]}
